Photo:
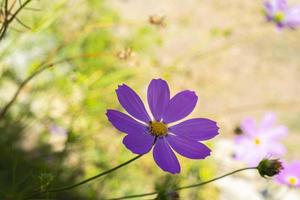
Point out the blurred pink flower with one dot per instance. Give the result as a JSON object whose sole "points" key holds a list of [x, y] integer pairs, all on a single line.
{"points": [[260, 140], [284, 16], [290, 175]]}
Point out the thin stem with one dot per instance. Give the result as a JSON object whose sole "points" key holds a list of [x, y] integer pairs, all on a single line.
{"points": [[20, 22], [184, 187], [92, 178], [4, 14], [214, 179], [22, 85], [7, 20], [12, 6], [43, 67], [18, 10]]}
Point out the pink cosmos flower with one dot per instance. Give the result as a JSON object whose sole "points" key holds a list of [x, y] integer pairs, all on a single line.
{"points": [[260, 140], [290, 175], [284, 16]]}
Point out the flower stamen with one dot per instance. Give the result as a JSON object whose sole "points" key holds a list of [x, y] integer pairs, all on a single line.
{"points": [[279, 16], [158, 128], [292, 181], [257, 141]]}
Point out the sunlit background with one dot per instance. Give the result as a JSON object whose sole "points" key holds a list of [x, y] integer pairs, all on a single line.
{"points": [[56, 133]]}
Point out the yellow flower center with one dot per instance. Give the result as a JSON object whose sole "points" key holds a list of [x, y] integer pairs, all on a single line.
{"points": [[292, 181], [158, 128], [279, 16], [257, 141]]}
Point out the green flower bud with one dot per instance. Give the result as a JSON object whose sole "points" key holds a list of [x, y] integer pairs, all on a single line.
{"points": [[269, 167]]}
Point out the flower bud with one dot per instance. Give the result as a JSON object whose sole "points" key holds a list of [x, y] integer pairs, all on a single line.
{"points": [[157, 20], [269, 167], [238, 130]]}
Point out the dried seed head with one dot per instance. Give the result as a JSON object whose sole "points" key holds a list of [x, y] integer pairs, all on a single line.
{"points": [[157, 20], [124, 54]]}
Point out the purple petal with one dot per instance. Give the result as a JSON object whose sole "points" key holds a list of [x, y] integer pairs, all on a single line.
{"points": [[294, 168], [180, 106], [245, 150], [276, 149], [249, 127], [125, 123], [158, 97], [279, 5], [188, 148], [197, 129], [279, 26], [139, 143], [275, 5], [132, 103], [269, 10], [290, 169], [268, 120], [165, 157], [240, 139], [277, 133], [283, 175], [293, 17]]}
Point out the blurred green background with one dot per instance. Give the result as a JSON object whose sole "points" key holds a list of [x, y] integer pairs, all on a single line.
{"points": [[56, 133]]}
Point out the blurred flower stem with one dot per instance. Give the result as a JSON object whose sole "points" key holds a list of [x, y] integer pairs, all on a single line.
{"points": [[184, 187], [9, 17], [42, 67], [91, 178]]}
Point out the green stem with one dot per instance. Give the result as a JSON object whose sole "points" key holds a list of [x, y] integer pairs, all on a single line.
{"points": [[42, 67], [184, 187], [92, 178], [7, 20]]}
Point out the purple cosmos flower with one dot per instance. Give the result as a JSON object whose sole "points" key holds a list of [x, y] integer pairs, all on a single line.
{"points": [[282, 15], [144, 131], [290, 175], [259, 140]]}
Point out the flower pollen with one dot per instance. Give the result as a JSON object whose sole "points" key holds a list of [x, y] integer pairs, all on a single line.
{"points": [[257, 141], [292, 181], [158, 128], [278, 16]]}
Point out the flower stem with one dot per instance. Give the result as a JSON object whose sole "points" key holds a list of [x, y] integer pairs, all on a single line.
{"points": [[214, 179], [42, 67], [184, 187], [92, 178]]}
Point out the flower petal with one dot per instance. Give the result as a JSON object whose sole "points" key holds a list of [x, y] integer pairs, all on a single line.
{"points": [[180, 106], [275, 149], [268, 120], [280, 4], [249, 127], [197, 129], [188, 148], [132, 103], [293, 17], [165, 157], [294, 166], [125, 123], [158, 97], [289, 170], [277, 133], [247, 151], [139, 143]]}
